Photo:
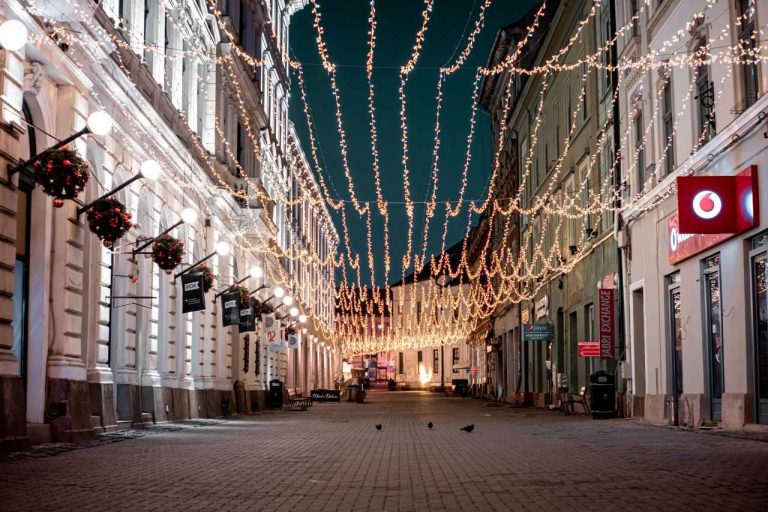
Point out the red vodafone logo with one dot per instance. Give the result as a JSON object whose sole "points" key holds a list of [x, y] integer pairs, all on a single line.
{"points": [[707, 204]]}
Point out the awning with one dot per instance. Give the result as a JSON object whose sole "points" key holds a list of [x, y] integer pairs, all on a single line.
{"points": [[462, 366]]}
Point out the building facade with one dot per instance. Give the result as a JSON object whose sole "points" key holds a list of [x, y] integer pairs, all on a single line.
{"points": [[94, 338], [559, 151], [697, 345]]}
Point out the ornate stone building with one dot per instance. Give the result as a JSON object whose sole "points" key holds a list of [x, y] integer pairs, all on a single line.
{"points": [[94, 338]]}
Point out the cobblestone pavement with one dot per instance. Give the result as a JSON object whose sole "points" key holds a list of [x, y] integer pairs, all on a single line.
{"points": [[332, 458]]}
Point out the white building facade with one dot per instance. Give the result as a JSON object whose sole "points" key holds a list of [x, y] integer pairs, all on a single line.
{"points": [[94, 338], [697, 344]]}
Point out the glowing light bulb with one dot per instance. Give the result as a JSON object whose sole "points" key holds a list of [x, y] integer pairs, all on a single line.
{"points": [[294, 312], [256, 272], [303, 318], [13, 35], [99, 123], [287, 300], [279, 292], [151, 170], [188, 215], [222, 248]]}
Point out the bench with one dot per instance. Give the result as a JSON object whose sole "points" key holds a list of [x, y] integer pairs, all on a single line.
{"points": [[295, 402], [572, 400]]}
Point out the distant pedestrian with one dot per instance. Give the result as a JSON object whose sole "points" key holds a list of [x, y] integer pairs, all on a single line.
{"points": [[366, 384]]}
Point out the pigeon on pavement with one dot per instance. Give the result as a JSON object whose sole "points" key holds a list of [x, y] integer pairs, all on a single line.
{"points": [[378, 426], [429, 425], [468, 428]]}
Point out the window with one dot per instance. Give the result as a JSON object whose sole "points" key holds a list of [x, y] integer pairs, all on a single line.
{"points": [[639, 149], [634, 10], [400, 365], [668, 128], [705, 97], [747, 44], [418, 311], [435, 361], [760, 322], [584, 71], [420, 357], [455, 358]]}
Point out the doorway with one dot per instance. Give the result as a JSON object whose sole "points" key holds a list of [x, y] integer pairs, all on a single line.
{"points": [[760, 326], [675, 345], [713, 334]]}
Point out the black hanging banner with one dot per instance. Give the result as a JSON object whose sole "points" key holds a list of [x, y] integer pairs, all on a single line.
{"points": [[247, 319], [192, 297], [230, 308]]}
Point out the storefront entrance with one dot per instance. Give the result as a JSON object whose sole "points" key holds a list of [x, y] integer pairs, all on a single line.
{"points": [[676, 345], [760, 324], [713, 333]]}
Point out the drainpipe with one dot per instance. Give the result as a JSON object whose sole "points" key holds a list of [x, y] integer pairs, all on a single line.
{"points": [[617, 182]]}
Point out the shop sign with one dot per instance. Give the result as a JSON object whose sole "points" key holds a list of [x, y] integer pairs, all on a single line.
{"points": [[192, 295], [718, 204], [326, 395], [247, 321], [589, 349], [542, 307], [230, 308], [605, 314], [526, 316], [293, 341], [270, 328], [537, 332]]}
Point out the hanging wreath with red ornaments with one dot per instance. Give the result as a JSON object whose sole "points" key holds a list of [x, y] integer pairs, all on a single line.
{"points": [[167, 252], [290, 330], [207, 276], [109, 220], [62, 174], [245, 295], [258, 308]]}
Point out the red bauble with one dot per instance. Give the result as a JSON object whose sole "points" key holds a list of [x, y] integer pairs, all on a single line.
{"points": [[58, 202]]}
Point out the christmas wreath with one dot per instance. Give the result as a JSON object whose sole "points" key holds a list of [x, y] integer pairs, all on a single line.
{"points": [[245, 295], [266, 309], [167, 252], [290, 330], [108, 220], [207, 276], [62, 174]]}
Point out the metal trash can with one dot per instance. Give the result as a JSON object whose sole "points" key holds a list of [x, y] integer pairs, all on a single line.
{"points": [[602, 390], [353, 389], [275, 393]]}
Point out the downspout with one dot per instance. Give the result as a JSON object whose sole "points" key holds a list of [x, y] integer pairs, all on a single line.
{"points": [[617, 182]]}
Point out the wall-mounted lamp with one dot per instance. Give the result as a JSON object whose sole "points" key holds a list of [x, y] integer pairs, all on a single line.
{"points": [[222, 249], [149, 169], [188, 216], [98, 123]]}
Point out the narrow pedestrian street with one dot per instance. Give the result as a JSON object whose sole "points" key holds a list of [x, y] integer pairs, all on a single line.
{"points": [[331, 457]]}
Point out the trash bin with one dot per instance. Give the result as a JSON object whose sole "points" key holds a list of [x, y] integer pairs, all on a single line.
{"points": [[602, 389], [275, 393], [353, 389]]}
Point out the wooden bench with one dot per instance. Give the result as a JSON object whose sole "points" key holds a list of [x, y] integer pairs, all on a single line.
{"points": [[295, 402], [572, 400]]}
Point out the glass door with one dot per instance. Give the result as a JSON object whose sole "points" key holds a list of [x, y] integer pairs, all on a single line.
{"points": [[676, 346], [714, 334], [760, 322]]}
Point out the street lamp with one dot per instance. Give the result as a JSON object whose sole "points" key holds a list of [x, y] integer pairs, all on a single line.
{"points": [[149, 169], [222, 249], [13, 35], [287, 300], [188, 216], [98, 123], [294, 312]]}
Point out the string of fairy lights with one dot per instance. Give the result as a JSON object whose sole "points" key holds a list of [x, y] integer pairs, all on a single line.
{"points": [[493, 274]]}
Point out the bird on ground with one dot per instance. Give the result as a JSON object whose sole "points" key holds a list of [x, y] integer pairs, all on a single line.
{"points": [[429, 425], [468, 428], [378, 426]]}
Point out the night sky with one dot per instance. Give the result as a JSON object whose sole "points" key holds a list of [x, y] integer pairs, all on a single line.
{"points": [[346, 26]]}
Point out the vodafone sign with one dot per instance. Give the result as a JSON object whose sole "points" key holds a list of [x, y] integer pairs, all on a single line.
{"points": [[711, 209], [718, 204], [707, 204]]}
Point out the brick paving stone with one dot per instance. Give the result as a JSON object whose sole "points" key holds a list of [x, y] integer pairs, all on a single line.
{"points": [[330, 457]]}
